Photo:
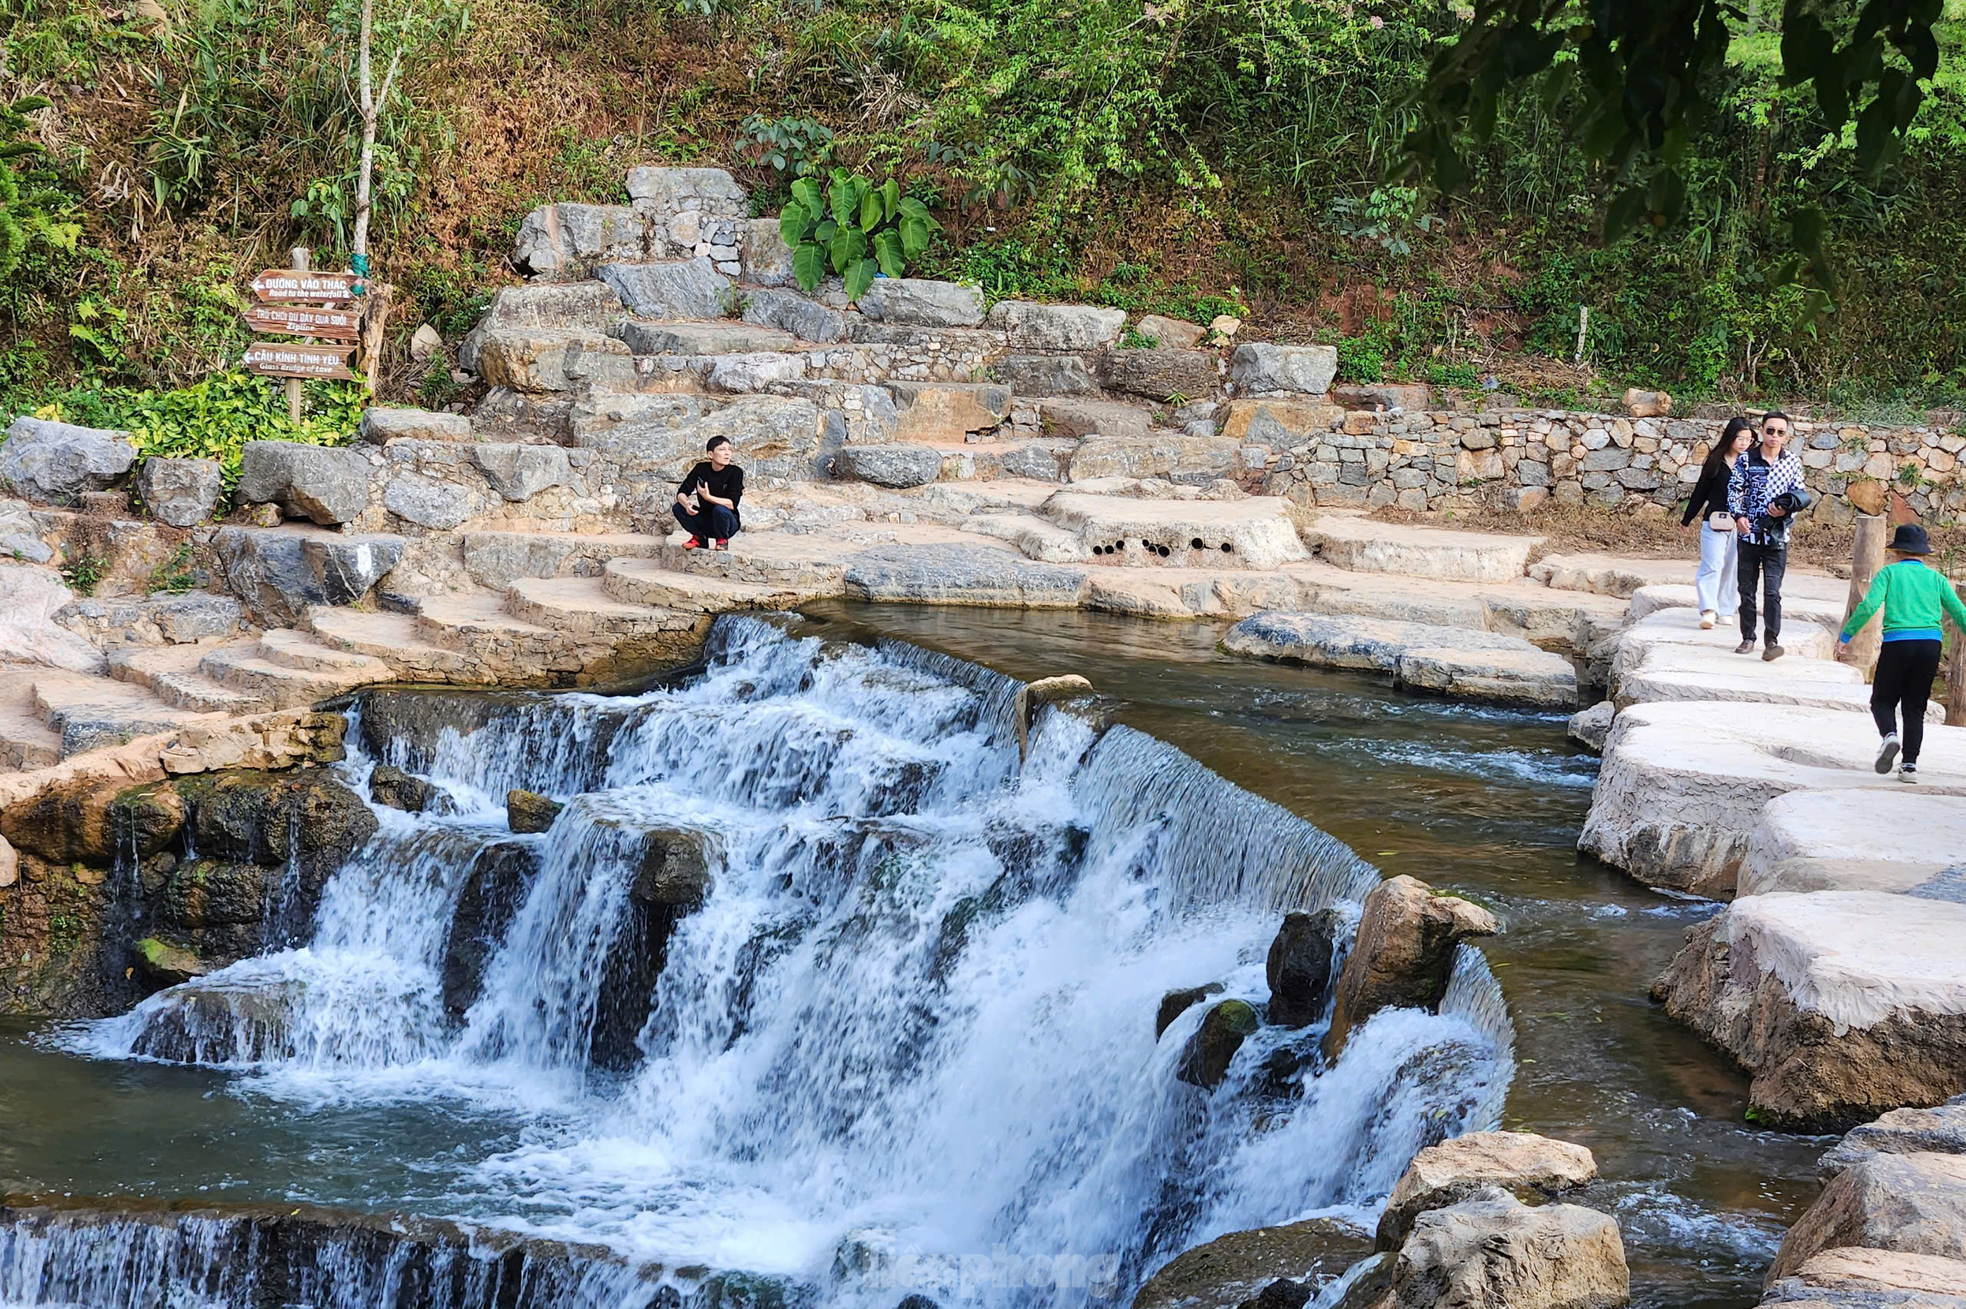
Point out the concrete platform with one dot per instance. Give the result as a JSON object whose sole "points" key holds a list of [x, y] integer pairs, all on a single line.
{"points": [[1363, 545], [1909, 842], [1459, 662]]}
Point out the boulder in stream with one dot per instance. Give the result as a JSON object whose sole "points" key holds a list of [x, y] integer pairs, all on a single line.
{"points": [[1223, 1030], [1450, 1172], [1908, 1203], [391, 786], [1939, 1130], [529, 811], [1176, 1003], [1493, 1252], [166, 964], [1242, 1267], [671, 882], [1299, 966], [491, 895], [1403, 954]]}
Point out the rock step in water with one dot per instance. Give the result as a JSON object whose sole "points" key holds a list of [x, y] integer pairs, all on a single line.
{"points": [[1453, 661], [582, 606], [86, 711], [283, 685], [1910, 841], [396, 639], [173, 675], [648, 582], [803, 562], [1365, 545]]}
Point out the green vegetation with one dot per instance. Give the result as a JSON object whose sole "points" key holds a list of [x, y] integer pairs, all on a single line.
{"points": [[1186, 157], [856, 229]]}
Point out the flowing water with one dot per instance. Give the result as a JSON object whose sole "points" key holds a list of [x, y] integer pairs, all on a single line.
{"points": [[905, 1042]]}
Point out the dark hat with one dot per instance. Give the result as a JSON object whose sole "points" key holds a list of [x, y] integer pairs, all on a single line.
{"points": [[1910, 539]]}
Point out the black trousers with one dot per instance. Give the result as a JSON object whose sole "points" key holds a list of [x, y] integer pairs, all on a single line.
{"points": [[1905, 670], [711, 522], [1762, 566]]}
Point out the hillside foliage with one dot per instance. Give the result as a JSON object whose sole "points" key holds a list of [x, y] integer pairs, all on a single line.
{"points": [[1192, 157]]}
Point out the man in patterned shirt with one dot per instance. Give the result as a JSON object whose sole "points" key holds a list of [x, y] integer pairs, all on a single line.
{"points": [[1760, 476]]}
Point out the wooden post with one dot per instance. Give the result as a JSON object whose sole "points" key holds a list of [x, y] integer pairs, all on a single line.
{"points": [[302, 262], [373, 323], [1583, 331], [1866, 557], [1956, 682]]}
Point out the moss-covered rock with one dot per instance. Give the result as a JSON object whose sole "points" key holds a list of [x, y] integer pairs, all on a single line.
{"points": [[167, 964], [493, 891], [1206, 1061], [529, 811], [1176, 1003]]}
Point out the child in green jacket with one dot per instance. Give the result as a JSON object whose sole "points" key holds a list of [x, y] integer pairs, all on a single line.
{"points": [[1912, 596]]}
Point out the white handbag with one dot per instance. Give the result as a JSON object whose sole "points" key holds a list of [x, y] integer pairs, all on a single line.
{"points": [[1720, 521]]}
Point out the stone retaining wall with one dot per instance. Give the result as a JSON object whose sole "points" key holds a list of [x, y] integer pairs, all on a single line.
{"points": [[1517, 459]]}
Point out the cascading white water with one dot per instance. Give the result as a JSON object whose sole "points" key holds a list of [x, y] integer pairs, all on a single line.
{"points": [[906, 1041]]}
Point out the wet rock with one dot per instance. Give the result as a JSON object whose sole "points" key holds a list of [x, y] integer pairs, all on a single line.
{"points": [[391, 786], [916, 1302], [1941, 1130], [529, 811], [490, 898], [382, 425], [214, 1024], [1280, 1294], [181, 492], [1299, 966], [268, 818], [1176, 1003], [687, 288], [167, 965], [277, 572], [1403, 953], [1909, 1203], [1841, 1004], [1243, 1266], [54, 463], [1061, 328], [1223, 1030], [1305, 368], [1495, 1253], [207, 893], [149, 820], [1589, 727], [307, 481], [1851, 1277], [1448, 1173], [896, 466], [671, 883], [922, 302]]}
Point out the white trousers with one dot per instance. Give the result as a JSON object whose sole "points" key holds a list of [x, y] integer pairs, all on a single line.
{"points": [[1718, 582]]}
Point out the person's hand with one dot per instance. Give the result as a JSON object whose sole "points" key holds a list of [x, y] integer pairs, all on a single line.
{"points": [[1684, 528], [1742, 526]]}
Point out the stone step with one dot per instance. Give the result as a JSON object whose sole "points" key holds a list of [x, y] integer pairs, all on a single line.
{"points": [[1365, 546], [717, 337], [298, 650], [285, 687], [498, 559], [645, 582], [395, 639], [583, 607], [171, 673], [811, 566], [87, 712], [26, 741]]}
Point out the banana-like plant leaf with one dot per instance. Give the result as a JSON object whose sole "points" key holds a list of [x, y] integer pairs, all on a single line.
{"points": [[806, 192], [809, 266], [870, 210], [824, 231], [914, 236], [792, 222], [848, 245], [888, 252], [890, 198], [859, 276]]}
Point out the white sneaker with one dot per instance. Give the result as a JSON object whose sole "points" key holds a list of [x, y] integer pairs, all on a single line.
{"points": [[1887, 753], [1909, 773], [1707, 617]]}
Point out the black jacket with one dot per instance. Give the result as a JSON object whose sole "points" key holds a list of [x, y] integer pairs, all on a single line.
{"points": [[1709, 494], [725, 485]]}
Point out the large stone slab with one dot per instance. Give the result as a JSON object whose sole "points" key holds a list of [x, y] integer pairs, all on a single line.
{"points": [[1164, 375], [767, 259], [54, 463], [1907, 841], [325, 485], [1842, 1004], [961, 575], [1713, 671], [520, 472], [721, 337], [1365, 546], [30, 597], [1115, 418], [683, 288], [1853, 1277], [1042, 375], [564, 240], [1188, 460], [669, 188], [1255, 532], [1460, 662], [277, 572], [1700, 647], [181, 492], [895, 466], [1259, 367], [1683, 783], [1062, 328], [1938, 1130], [1170, 333], [788, 311], [544, 306], [1455, 1170], [922, 302], [1275, 420], [1907, 1203], [543, 361], [382, 425], [947, 411]]}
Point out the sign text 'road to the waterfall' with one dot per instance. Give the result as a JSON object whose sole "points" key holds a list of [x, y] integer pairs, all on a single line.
{"points": [[313, 288]]}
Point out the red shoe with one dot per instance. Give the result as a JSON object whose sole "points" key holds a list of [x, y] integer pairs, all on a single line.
{"points": [[721, 543], [692, 544]]}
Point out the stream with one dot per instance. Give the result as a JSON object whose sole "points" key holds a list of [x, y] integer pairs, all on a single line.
{"points": [[905, 1042]]}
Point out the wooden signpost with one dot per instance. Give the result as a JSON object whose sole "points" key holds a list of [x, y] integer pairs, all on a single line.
{"points": [[297, 301]]}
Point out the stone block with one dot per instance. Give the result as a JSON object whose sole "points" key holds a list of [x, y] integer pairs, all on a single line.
{"points": [[1305, 368], [1043, 375], [381, 425], [181, 492], [683, 288], [1163, 374], [922, 302], [564, 240], [575, 306], [1170, 333], [519, 472], [947, 411], [896, 466], [767, 259], [1062, 328], [307, 481], [436, 505], [788, 311], [544, 361], [54, 463]]}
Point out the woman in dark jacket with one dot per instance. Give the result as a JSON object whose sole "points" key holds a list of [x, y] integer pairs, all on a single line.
{"points": [[1714, 584]]}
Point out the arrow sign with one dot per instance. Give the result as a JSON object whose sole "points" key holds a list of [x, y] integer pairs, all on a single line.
{"points": [[288, 284], [304, 320], [270, 359]]}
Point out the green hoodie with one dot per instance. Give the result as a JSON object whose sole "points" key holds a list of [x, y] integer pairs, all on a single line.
{"points": [[1912, 596]]}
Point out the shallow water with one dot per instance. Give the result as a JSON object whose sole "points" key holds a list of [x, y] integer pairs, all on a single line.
{"points": [[1484, 802]]}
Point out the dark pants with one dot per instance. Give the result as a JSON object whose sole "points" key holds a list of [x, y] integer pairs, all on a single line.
{"points": [[711, 522], [1905, 670], [1762, 564]]}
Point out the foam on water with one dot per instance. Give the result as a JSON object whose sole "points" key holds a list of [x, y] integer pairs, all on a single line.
{"points": [[906, 1041]]}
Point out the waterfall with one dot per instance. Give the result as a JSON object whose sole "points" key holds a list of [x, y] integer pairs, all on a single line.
{"points": [[814, 980]]}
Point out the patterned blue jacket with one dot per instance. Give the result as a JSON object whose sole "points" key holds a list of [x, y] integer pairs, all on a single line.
{"points": [[1754, 483]]}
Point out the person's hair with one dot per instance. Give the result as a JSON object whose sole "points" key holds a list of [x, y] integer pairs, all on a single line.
{"points": [[1776, 413], [1724, 447], [714, 442]]}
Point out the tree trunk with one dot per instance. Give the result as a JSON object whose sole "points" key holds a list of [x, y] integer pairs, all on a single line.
{"points": [[365, 90]]}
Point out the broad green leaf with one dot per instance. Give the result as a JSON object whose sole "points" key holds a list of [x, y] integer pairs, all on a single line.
{"points": [[848, 245], [859, 276], [806, 192], [824, 232], [809, 266], [792, 221], [870, 210], [890, 198], [912, 207], [888, 252], [845, 203], [914, 236]]}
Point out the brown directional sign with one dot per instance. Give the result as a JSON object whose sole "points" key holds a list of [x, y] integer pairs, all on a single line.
{"points": [[276, 359], [305, 320], [322, 288]]}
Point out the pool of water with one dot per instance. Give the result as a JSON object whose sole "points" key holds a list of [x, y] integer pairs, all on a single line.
{"points": [[1483, 802]]}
